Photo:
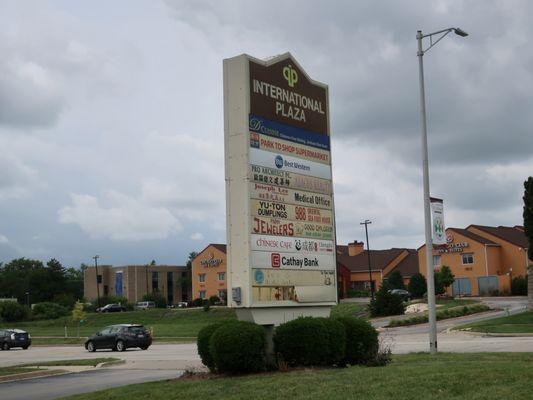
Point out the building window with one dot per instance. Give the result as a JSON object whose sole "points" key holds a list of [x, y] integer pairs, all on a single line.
{"points": [[170, 288], [98, 278], [155, 283], [436, 261], [201, 278], [468, 258], [202, 294], [222, 294], [221, 276]]}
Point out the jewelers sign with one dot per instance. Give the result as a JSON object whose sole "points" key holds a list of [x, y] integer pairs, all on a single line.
{"points": [[280, 209]]}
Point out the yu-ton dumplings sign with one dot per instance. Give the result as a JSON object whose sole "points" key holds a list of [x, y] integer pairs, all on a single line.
{"points": [[279, 198]]}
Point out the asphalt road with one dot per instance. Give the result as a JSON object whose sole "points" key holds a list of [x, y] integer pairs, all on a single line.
{"points": [[66, 385]]}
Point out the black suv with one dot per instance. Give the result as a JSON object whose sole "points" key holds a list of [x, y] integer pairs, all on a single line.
{"points": [[119, 338], [111, 308], [14, 338]]}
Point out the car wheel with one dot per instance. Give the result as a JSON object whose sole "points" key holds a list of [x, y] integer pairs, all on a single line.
{"points": [[120, 346], [5, 346], [144, 347], [25, 347], [90, 347]]}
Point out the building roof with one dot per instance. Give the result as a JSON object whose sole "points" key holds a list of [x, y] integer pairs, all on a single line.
{"points": [[220, 247], [409, 265], [510, 234], [379, 259], [474, 236]]}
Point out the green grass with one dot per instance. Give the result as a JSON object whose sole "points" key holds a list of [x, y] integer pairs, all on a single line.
{"points": [[82, 362], [16, 370], [175, 322], [519, 323], [445, 303], [484, 376], [174, 325], [348, 309]]}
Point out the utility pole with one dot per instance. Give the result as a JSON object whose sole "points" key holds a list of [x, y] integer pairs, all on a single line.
{"points": [[95, 258], [368, 254]]}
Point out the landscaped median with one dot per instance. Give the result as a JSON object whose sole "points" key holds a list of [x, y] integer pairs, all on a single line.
{"points": [[47, 368], [513, 325], [486, 376], [446, 313]]}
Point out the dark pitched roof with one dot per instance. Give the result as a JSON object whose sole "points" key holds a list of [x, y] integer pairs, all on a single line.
{"points": [[220, 247], [409, 265], [474, 236], [379, 259], [507, 233]]}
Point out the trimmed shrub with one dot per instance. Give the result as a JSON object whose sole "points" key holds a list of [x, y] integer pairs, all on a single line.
{"points": [[48, 310], [337, 341], [198, 302], [310, 341], [519, 286], [358, 293], [238, 347], [362, 342], [11, 311], [386, 303], [204, 336]]}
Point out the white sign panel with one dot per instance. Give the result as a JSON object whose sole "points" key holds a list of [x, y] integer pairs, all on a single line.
{"points": [[288, 163], [263, 259], [437, 222], [291, 244]]}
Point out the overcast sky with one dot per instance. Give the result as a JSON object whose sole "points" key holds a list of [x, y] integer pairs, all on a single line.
{"points": [[111, 118]]}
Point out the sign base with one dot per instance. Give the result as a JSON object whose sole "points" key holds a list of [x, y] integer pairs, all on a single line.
{"points": [[279, 315]]}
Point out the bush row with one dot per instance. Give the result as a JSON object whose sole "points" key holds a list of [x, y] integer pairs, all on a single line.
{"points": [[453, 312], [239, 347], [11, 311]]}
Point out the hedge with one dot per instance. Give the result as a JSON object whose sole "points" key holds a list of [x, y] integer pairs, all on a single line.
{"points": [[238, 347], [362, 342], [443, 314], [310, 341]]}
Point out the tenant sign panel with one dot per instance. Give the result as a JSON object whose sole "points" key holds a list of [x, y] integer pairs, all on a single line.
{"points": [[279, 196]]}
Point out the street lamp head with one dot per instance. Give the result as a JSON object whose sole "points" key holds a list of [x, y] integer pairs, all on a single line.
{"points": [[460, 32]]}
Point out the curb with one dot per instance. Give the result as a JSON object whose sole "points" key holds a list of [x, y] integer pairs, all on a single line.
{"points": [[32, 375], [491, 334], [110, 363]]}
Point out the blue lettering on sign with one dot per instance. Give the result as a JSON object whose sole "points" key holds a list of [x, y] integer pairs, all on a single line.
{"points": [[287, 132], [279, 161]]}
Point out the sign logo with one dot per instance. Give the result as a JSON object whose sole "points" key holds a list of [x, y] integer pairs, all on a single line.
{"points": [[258, 276], [449, 237], [211, 261], [275, 259], [255, 124], [279, 161], [290, 75], [298, 245]]}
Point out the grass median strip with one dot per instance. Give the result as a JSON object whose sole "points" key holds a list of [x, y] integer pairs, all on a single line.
{"points": [[482, 376], [4, 371], [453, 312], [519, 323]]}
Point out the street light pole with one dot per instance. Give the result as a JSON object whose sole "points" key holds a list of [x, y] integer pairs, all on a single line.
{"points": [[425, 169], [95, 258], [368, 254]]}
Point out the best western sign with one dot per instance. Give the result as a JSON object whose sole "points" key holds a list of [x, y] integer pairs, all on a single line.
{"points": [[280, 209]]}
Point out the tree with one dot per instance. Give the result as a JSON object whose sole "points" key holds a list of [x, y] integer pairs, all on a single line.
{"points": [[78, 315], [386, 303], [417, 285], [443, 279], [395, 280], [528, 214]]}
